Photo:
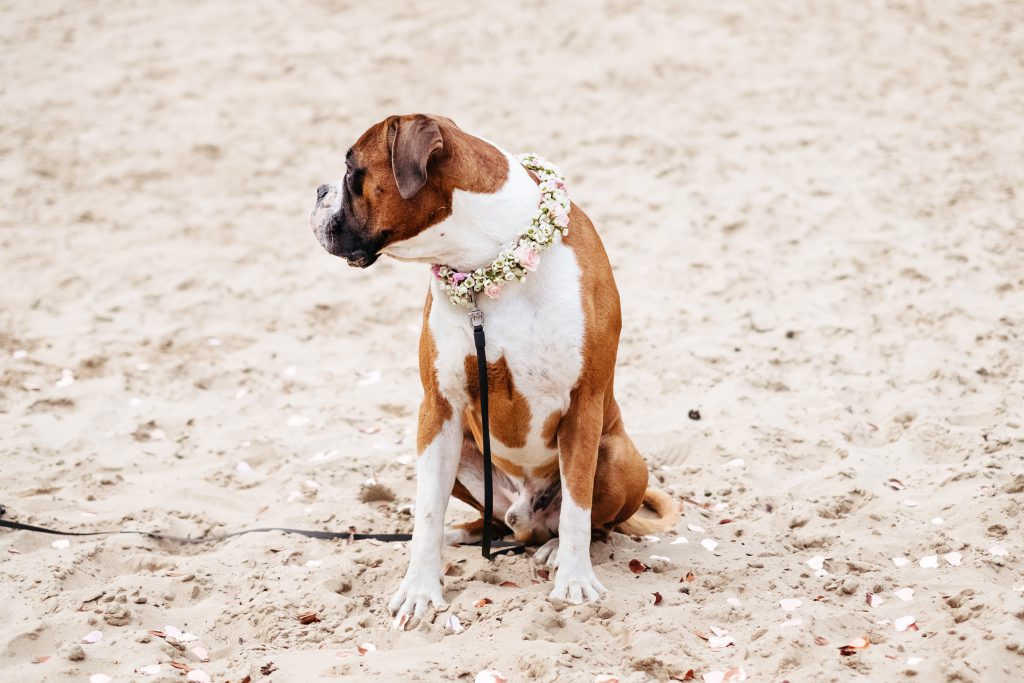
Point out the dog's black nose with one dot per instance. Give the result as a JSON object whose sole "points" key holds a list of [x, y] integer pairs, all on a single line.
{"points": [[321, 191]]}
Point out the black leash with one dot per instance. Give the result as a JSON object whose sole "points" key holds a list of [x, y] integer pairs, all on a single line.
{"points": [[476, 319], [486, 543], [310, 533]]}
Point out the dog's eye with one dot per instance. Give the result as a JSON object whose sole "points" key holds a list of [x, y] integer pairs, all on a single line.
{"points": [[354, 178]]}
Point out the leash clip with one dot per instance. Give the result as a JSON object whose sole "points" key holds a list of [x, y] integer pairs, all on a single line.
{"points": [[476, 316]]}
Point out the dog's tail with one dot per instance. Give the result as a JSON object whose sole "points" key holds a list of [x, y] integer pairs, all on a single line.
{"points": [[658, 514]]}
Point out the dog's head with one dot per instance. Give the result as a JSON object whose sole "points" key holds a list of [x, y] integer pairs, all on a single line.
{"points": [[399, 179]]}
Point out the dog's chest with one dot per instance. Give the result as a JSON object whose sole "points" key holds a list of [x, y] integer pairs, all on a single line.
{"points": [[534, 337]]}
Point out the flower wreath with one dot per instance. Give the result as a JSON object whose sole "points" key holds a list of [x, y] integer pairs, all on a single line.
{"points": [[523, 256]]}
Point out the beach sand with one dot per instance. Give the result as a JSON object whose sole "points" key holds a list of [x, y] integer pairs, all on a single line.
{"points": [[814, 212]]}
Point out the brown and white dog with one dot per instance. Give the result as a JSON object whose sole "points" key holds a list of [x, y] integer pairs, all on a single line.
{"points": [[419, 188]]}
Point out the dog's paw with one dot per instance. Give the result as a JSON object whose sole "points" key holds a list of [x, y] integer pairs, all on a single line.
{"points": [[547, 554], [416, 595], [577, 587]]}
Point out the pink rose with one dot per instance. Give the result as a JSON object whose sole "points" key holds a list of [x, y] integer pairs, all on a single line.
{"points": [[459, 277], [493, 291], [527, 257], [561, 217]]}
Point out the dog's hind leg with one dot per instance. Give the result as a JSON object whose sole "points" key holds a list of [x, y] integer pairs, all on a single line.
{"points": [[469, 488]]}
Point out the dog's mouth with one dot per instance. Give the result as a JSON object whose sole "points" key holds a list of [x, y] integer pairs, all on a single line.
{"points": [[359, 259]]}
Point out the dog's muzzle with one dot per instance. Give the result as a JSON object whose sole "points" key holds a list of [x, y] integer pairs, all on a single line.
{"points": [[327, 222]]}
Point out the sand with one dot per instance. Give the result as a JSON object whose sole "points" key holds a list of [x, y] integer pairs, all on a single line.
{"points": [[814, 211]]}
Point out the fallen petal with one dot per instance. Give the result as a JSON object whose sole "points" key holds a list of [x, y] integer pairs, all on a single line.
{"points": [[734, 674], [637, 567], [713, 677], [719, 642], [735, 602], [454, 624], [816, 562], [874, 600], [903, 623], [198, 676], [657, 598], [150, 669], [40, 659], [92, 637], [366, 647], [681, 539], [789, 623], [201, 654], [820, 640], [904, 594], [929, 562], [911, 503], [953, 558], [490, 676], [709, 544], [859, 643], [914, 661], [998, 551], [606, 678], [896, 484], [694, 528], [61, 544], [937, 521], [900, 561], [482, 601], [789, 604], [100, 678]]}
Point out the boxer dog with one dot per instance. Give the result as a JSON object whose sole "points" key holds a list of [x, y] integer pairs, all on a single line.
{"points": [[418, 188]]}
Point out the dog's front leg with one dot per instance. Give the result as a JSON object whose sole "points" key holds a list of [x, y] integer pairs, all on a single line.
{"points": [[579, 436], [435, 477]]}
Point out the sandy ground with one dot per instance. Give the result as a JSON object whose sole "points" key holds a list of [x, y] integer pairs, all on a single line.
{"points": [[815, 215]]}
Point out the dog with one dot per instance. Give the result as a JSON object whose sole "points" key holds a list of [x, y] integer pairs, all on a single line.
{"points": [[419, 188]]}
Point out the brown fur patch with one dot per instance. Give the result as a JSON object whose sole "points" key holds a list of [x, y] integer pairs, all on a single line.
{"points": [[434, 408], [509, 412], [550, 431], [593, 411], [464, 162]]}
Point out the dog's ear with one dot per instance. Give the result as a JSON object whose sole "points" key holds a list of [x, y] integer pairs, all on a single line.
{"points": [[413, 141]]}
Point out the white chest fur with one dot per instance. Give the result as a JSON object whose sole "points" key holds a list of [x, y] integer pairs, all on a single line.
{"points": [[537, 327]]}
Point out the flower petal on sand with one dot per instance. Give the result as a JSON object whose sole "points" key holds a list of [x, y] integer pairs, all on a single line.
{"points": [[366, 647], [900, 561], [490, 676], [874, 600], [92, 637], [606, 678], [903, 623], [709, 544], [904, 594], [637, 567], [198, 676], [150, 669], [695, 529], [454, 624], [100, 678], [953, 558], [789, 604], [61, 544], [929, 562], [998, 551], [734, 602], [681, 539], [816, 562], [734, 675]]}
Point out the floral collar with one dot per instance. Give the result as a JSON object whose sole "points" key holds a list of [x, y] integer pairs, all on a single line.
{"points": [[523, 255]]}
